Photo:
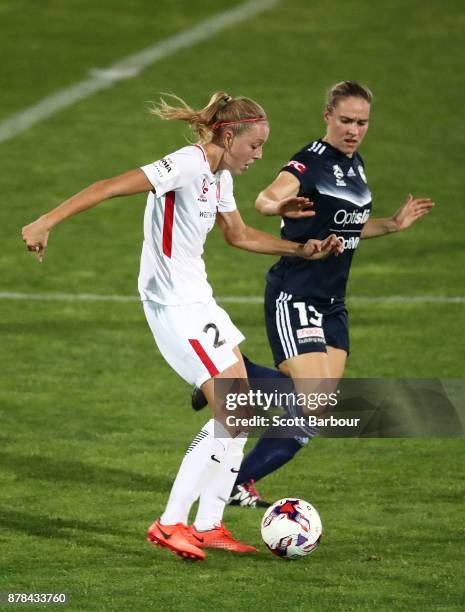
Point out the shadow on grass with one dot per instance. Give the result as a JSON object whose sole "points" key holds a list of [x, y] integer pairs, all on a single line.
{"points": [[106, 536], [65, 470], [52, 527], [78, 532], [93, 535]]}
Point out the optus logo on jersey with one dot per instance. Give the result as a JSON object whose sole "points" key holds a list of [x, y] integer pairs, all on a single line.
{"points": [[344, 217], [350, 244]]}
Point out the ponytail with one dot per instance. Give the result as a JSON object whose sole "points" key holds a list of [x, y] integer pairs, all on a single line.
{"points": [[209, 122]]}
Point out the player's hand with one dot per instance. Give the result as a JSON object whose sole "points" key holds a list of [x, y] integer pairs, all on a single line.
{"points": [[320, 249], [35, 235], [411, 211], [295, 207]]}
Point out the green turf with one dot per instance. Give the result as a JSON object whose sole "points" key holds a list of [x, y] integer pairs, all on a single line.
{"points": [[93, 423]]}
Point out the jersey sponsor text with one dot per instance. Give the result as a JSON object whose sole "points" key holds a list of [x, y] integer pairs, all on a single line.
{"points": [[344, 217]]}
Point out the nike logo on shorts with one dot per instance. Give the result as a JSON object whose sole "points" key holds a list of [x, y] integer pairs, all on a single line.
{"points": [[215, 459]]}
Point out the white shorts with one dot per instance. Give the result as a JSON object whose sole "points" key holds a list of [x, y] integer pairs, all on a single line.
{"points": [[196, 340]]}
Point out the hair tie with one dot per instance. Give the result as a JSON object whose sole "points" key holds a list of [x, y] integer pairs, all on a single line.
{"points": [[223, 102]]}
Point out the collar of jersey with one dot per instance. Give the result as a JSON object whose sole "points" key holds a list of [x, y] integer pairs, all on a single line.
{"points": [[207, 163], [337, 153]]}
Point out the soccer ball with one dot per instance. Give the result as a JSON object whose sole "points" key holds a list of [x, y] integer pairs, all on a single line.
{"points": [[291, 528]]}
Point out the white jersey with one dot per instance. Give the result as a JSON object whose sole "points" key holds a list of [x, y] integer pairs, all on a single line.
{"points": [[177, 219]]}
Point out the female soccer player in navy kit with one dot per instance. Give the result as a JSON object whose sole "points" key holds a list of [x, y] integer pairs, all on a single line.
{"points": [[306, 317], [188, 191]]}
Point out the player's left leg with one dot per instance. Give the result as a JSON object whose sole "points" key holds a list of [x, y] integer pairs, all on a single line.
{"points": [[274, 449], [208, 529]]}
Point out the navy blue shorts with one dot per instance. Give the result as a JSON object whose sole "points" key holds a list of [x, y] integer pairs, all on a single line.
{"points": [[296, 325]]}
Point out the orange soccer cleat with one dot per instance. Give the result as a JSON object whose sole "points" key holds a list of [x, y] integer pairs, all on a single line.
{"points": [[219, 537], [177, 538]]}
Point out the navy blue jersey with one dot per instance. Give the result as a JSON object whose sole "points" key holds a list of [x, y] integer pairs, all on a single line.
{"points": [[342, 202]]}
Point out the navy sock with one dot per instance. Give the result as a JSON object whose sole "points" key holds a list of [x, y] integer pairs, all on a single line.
{"points": [[254, 370], [268, 455]]}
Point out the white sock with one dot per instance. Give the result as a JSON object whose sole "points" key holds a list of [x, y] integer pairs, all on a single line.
{"points": [[216, 492], [203, 455]]}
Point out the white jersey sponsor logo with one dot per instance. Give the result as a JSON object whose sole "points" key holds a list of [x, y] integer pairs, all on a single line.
{"points": [[165, 169]]}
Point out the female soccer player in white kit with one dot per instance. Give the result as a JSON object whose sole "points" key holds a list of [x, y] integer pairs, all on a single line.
{"points": [[188, 191]]}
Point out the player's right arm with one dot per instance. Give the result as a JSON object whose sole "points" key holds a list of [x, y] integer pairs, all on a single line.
{"points": [[281, 198], [35, 235], [238, 234]]}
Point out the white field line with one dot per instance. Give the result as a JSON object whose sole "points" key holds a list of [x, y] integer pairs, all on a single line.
{"points": [[129, 67], [231, 299]]}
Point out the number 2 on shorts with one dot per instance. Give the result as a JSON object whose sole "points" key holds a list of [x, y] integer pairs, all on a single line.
{"points": [[216, 342]]}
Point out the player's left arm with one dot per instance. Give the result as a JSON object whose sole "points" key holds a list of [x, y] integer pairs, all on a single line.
{"points": [[238, 234], [411, 211]]}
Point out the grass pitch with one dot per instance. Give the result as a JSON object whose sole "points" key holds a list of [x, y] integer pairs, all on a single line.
{"points": [[94, 423]]}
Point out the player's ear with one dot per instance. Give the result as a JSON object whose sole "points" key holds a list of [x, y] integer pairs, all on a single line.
{"points": [[228, 137], [326, 114]]}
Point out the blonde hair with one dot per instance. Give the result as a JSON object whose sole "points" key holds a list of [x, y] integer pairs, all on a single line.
{"points": [[222, 111], [347, 89]]}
